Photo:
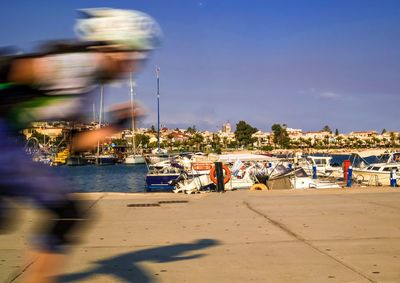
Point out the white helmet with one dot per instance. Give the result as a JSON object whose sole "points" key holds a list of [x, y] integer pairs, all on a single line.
{"points": [[127, 29]]}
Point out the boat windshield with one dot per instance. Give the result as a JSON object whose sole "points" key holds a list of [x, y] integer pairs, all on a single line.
{"points": [[389, 157], [319, 161], [384, 158]]}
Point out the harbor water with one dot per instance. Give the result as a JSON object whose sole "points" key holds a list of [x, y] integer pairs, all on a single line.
{"points": [[108, 178]]}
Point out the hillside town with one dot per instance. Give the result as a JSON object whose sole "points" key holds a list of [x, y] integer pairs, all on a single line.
{"points": [[225, 139]]}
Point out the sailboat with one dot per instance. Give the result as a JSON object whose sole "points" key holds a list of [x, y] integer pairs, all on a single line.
{"points": [[103, 158], [133, 157], [158, 154]]}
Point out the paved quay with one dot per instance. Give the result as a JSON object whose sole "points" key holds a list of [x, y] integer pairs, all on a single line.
{"points": [[330, 235]]}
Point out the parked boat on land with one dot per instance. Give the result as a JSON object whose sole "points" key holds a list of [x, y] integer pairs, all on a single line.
{"points": [[295, 178], [376, 174], [322, 164], [161, 174]]}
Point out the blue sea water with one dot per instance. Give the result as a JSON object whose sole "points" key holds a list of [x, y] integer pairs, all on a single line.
{"points": [[108, 178]]}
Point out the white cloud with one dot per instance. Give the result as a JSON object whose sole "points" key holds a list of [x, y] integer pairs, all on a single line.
{"points": [[328, 95]]}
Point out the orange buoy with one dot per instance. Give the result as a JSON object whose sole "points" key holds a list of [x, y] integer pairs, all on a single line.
{"points": [[227, 174]]}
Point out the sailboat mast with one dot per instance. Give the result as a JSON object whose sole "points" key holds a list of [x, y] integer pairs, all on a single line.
{"points": [[100, 120], [101, 106], [133, 117], [158, 107], [94, 113]]}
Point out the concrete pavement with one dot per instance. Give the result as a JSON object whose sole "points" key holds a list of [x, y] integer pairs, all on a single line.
{"points": [[335, 235]]}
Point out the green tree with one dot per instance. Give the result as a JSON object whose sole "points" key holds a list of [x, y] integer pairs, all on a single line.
{"points": [[383, 131], [191, 130], [233, 144], [244, 133], [197, 140], [336, 132], [225, 142], [142, 140], [281, 136], [215, 141], [392, 138], [326, 128], [119, 142]]}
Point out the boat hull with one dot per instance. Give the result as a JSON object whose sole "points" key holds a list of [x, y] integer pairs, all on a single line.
{"points": [[76, 161], [106, 161], [160, 182], [372, 178], [134, 159]]}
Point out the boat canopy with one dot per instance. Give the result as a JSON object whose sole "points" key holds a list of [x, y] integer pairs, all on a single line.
{"points": [[370, 152]]}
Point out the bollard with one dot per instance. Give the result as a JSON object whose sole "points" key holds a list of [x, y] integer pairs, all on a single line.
{"points": [[290, 166], [393, 178], [345, 167], [314, 172], [269, 164], [349, 176], [219, 172]]}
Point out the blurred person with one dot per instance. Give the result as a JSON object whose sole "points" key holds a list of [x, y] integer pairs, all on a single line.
{"points": [[55, 84]]}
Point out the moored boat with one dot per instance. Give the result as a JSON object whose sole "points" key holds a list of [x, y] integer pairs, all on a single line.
{"points": [[76, 160], [105, 159], [133, 159]]}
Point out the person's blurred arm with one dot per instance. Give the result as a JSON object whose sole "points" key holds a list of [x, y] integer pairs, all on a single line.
{"points": [[121, 114]]}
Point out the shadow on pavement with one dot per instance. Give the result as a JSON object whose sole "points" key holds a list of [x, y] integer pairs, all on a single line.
{"points": [[125, 267]]}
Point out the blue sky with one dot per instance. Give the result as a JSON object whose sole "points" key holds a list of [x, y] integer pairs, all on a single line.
{"points": [[303, 63]]}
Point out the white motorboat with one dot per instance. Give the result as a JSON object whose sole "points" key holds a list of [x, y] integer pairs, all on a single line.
{"points": [[322, 164], [376, 174], [301, 180], [244, 168], [298, 179], [135, 159]]}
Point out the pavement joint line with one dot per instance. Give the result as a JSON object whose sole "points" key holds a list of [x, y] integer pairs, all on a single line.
{"points": [[22, 271], [96, 201], [301, 239]]}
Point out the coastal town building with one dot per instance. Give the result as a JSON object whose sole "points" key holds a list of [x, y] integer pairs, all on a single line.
{"points": [[227, 128], [262, 138], [294, 134], [364, 135], [320, 135], [180, 138]]}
